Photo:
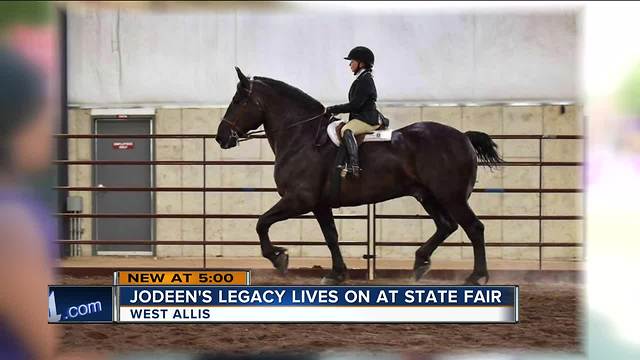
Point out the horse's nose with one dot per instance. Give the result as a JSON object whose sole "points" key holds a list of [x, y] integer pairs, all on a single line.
{"points": [[221, 143]]}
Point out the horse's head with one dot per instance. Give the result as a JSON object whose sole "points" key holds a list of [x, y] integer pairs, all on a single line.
{"points": [[244, 114]]}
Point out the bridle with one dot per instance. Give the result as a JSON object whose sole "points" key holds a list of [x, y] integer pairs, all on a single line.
{"points": [[240, 135]]}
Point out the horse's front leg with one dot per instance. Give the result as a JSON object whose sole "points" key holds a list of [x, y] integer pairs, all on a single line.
{"points": [[284, 209]]}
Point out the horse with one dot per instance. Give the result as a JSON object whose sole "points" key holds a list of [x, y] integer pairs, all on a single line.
{"points": [[434, 163]]}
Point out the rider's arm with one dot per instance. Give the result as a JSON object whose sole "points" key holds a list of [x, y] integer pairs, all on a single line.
{"points": [[361, 94]]}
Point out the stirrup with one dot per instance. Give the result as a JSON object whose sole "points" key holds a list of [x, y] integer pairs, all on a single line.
{"points": [[344, 172], [355, 170], [349, 170], [344, 169]]}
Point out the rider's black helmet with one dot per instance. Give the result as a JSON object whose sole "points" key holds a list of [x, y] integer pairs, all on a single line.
{"points": [[361, 53]]}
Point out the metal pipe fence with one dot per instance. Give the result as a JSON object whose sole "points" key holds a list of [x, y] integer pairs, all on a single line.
{"points": [[372, 215]]}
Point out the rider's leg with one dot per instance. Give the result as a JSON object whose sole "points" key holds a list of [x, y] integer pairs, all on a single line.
{"points": [[349, 131], [352, 148]]}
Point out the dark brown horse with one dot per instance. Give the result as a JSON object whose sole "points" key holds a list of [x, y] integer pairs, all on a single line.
{"points": [[434, 163]]}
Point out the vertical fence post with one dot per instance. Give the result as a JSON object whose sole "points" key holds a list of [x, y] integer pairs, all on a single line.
{"points": [[368, 254], [373, 242], [540, 205], [204, 202]]}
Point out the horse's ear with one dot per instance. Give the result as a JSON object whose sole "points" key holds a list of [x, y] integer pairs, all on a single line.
{"points": [[243, 79]]}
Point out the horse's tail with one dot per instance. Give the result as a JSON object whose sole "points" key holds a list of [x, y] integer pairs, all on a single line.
{"points": [[485, 148]]}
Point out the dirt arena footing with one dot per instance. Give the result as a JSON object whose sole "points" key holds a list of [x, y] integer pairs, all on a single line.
{"points": [[455, 276]]}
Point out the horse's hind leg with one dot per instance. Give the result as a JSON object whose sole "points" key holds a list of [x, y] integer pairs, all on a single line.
{"points": [[338, 272], [474, 229], [445, 226]]}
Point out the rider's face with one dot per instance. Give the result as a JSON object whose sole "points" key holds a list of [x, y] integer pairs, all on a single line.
{"points": [[355, 65]]}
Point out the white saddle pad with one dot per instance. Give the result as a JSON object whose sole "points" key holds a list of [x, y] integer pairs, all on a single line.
{"points": [[378, 135]]}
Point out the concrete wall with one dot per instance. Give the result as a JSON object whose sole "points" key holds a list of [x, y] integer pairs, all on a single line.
{"points": [[81, 175], [494, 120], [124, 58]]}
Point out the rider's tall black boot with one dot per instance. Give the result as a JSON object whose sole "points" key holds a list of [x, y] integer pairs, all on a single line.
{"points": [[352, 148]]}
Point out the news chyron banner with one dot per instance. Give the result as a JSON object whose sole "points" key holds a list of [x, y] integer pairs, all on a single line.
{"points": [[206, 297], [318, 304]]}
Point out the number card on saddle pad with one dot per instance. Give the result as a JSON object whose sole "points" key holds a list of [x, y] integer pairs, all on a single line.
{"points": [[378, 135]]}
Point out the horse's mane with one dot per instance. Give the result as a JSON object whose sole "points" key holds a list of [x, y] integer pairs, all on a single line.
{"points": [[289, 91]]}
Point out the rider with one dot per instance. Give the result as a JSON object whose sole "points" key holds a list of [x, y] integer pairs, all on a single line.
{"points": [[363, 115]]}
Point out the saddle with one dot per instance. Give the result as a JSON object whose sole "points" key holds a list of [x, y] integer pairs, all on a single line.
{"points": [[381, 134], [333, 132]]}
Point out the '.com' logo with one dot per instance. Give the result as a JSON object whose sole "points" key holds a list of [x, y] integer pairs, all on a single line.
{"points": [[70, 313]]}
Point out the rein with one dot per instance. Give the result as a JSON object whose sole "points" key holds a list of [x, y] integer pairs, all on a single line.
{"points": [[251, 134]]}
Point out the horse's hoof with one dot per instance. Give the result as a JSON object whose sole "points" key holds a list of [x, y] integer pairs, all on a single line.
{"points": [[333, 279], [474, 279], [421, 270], [328, 281], [281, 262], [471, 281]]}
